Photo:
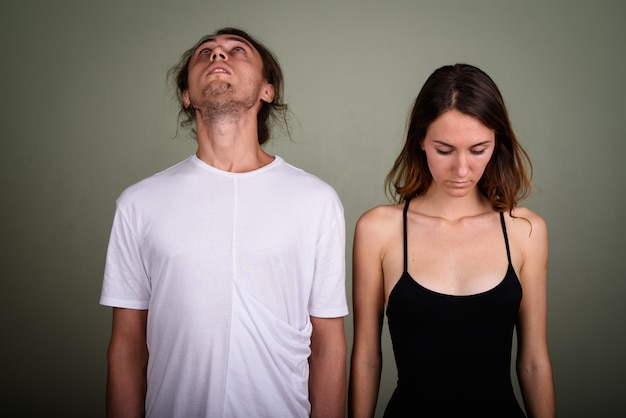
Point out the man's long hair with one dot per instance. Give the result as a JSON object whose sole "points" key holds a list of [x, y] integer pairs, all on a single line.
{"points": [[269, 113]]}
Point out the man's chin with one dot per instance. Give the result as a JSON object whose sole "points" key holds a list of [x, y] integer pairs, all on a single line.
{"points": [[218, 88]]}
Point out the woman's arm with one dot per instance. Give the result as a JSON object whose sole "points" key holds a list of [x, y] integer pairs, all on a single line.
{"points": [[368, 302], [534, 368], [127, 364]]}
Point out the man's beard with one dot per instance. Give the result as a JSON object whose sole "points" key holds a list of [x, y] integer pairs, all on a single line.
{"points": [[219, 103]]}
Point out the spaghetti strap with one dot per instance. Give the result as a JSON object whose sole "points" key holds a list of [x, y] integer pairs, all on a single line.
{"points": [[506, 237], [406, 208]]}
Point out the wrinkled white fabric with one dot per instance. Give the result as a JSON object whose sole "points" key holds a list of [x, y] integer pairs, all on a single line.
{"points": [[230, 267]]}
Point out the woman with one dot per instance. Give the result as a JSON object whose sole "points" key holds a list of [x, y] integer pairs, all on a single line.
{"points": [[456, 264]]}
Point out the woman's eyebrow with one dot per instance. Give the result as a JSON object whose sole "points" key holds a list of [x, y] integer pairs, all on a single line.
{"points": [[445, 144], [487, 142]]}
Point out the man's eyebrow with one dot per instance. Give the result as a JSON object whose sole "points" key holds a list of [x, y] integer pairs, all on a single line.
{"points": [[229, 38]]}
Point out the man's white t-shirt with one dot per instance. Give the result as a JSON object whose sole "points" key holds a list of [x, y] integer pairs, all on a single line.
{"points": [[230, 267]]}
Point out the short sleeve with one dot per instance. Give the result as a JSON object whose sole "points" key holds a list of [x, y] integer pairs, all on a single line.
{"points": [[328, 296], [126, 283]]}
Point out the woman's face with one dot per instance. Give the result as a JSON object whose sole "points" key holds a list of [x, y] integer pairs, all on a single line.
{"points": [[458, 148]]}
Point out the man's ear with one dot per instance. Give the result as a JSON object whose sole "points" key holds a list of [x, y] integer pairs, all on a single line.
{"points": [[186, 100], [267, 95]]}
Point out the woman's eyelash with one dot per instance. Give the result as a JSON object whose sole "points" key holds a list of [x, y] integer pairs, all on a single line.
{"points": [[475, 152]]}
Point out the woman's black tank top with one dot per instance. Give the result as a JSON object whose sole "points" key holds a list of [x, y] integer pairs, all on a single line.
{"points": [[453, 353]]}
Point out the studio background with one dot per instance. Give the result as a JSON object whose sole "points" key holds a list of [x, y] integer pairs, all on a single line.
{"points": [[86, 112]]}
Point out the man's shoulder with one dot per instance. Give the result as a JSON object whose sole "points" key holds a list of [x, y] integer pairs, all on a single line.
{"points": [[301, 177], [155, 183], [295, 186]]}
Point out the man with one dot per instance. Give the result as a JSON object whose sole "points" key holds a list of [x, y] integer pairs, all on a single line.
{"points": [[226, 272]]}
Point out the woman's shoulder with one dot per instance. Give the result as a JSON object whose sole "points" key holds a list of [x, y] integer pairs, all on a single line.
{"points": [[382, 213], [379, 218], [378, 230], [527, 224]]}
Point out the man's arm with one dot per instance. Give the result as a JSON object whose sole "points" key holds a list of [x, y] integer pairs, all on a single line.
{"points": [[127, 364], [327, 364]]}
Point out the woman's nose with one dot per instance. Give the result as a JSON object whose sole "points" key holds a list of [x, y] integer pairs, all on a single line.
{"points": [[461, 166]]}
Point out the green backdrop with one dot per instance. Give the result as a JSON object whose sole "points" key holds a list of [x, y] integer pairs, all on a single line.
{"points": [[86, 112]]}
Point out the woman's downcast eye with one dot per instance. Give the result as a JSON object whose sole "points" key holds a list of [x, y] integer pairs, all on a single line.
{"points": [[473, 152]]}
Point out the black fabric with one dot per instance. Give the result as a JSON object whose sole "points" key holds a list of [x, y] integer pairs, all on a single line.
{"points": [[453, 353]]}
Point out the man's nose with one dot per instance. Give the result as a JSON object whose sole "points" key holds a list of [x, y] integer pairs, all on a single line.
{"points": [[218, 53]]}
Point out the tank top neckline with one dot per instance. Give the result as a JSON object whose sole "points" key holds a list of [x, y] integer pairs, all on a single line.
{"points": [[405, 274]]}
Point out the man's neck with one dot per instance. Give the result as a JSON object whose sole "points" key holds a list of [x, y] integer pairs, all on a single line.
{"points": [[231, 145]]}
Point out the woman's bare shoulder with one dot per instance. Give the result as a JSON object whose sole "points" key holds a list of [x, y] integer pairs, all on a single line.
{"points": [[525, 222], [379, 220], [381, 215]]}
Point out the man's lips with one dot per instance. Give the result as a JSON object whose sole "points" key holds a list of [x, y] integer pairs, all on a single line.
{"points": [[219, 69]]}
